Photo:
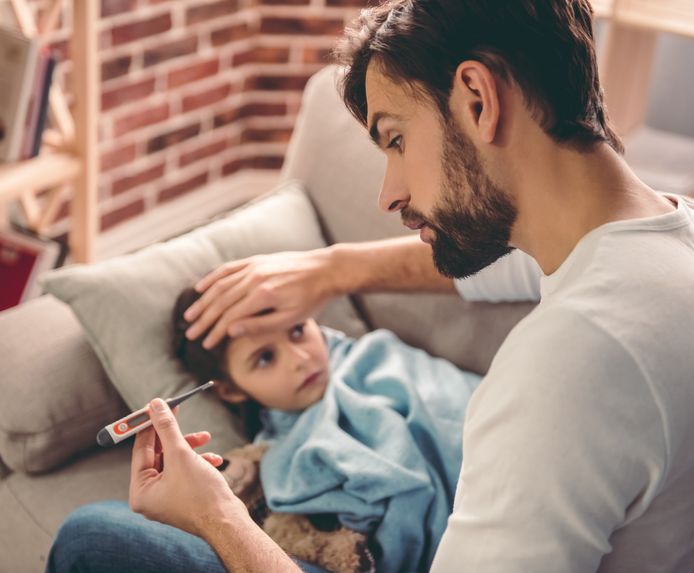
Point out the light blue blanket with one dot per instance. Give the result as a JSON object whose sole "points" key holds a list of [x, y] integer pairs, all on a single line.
{"points": [[383, 449]]}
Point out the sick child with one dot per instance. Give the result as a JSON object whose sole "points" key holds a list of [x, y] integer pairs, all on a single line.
{"points": [[369, 429]]}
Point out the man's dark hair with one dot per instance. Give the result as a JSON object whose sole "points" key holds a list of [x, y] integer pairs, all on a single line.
{"points": [[545, 46], [204, 364]]}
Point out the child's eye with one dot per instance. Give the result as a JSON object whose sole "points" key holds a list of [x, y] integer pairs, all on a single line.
{"points": [[297, 331], [396, 143], [265, 359]]}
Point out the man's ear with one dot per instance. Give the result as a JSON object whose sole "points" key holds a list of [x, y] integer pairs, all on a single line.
{"points": [[229, 393], [475, 99]]}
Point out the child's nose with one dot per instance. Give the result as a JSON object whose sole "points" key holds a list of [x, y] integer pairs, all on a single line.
{"points": [[301, 356]]}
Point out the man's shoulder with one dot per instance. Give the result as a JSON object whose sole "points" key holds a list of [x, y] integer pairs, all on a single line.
{"points": [[559, 346]]}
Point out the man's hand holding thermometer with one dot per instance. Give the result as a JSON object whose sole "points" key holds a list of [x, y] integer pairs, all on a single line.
{"points": [[139, 420], [189, 493]]}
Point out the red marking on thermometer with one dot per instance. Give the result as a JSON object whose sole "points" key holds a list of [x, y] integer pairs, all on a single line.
{"points": [[139, 420]]}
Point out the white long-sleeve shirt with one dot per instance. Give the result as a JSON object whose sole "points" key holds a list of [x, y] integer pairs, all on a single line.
{"points": [[579, 444]]}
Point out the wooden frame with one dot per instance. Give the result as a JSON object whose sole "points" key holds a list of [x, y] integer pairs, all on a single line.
{"points": [[632, 32], [69, 157]]}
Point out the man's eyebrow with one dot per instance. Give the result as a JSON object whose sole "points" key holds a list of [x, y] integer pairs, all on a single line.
{"points": [[373, 130]]}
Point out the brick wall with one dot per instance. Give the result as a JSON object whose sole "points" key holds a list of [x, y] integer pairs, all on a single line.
{"points": [[196, 90]]}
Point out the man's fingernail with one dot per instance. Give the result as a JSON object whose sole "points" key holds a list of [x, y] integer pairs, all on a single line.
{"points": [[236, 331], [190, 334], [158, 405], [188, 314]]}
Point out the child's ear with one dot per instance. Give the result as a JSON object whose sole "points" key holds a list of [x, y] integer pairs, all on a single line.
{"points": [[228, 393]]}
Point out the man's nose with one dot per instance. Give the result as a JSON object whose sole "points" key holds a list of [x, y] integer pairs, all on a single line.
{"points": [[393, 196]]}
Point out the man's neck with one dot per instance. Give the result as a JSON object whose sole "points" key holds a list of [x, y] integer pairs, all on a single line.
{"points": [[567, 194]]}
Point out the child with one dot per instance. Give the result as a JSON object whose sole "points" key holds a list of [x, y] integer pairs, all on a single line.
{"points": [[367, 429]]}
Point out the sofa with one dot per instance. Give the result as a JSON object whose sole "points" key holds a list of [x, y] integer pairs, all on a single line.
{"points": [[70, 364]]}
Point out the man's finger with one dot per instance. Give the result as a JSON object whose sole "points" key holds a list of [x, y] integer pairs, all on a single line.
{"points": [[204, 283], [143, 452], [265, 323], [165, 424]]}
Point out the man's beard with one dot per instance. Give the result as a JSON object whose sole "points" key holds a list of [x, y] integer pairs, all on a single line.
{"points": [[470, 234]]}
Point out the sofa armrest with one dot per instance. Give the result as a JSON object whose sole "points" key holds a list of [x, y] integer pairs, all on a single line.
{"points": [[55, 394]]}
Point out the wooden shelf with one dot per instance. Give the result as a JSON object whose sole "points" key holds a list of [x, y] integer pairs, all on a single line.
{"points": [[673, 16], [74, 163], [43, 172]]}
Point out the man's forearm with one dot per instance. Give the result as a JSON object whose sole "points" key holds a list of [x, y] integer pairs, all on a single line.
{"points": [[245, 548], [402, 264]]}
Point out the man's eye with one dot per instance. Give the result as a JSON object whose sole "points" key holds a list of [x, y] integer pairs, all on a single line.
{"points": [[297, 331], [265, 359], [396, 143]]}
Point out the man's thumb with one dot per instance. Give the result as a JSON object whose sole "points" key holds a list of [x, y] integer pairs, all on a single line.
{"points": [[164, 423]]}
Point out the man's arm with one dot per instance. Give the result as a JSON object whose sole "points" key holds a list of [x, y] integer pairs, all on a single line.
{"points": [[178, 487], [404, 264], [237, 295], [556, 455]]}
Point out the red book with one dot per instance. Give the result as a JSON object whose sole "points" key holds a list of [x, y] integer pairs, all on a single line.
{"points": [[22, 260]]}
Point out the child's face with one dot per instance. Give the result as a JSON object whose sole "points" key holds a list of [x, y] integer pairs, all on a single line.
{"points": [[287, 369]]}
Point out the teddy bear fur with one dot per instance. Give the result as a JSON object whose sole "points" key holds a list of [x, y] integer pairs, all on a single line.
{"points": [[321, 540]]}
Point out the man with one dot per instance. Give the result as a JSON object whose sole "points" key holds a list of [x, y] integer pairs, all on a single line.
{"points": [[578, 444]]}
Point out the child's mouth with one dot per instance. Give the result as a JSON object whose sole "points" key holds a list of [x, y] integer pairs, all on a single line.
{"points": [[309, 381]]}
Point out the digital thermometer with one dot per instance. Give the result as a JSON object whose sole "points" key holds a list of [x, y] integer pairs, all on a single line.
{"points": [[139, 420]]}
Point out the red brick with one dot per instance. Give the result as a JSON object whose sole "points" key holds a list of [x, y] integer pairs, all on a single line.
{"points": [[172, 137], [206, 98], [119, 96], [230, 34], [257, 162], [117, 157], [170, 50], [276, 82], [113, 7], [116, 216], [305, 26], [282, 2], [116, 68], [140, 29], [140, 178], [210, 11], [250, 110], [137, 120], [317, 56], [203, 152], [261, 55], [275, 135], [181, 188], [193, 73]]}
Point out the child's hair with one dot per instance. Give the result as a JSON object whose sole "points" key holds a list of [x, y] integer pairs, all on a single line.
{"points": [[204, 364]]}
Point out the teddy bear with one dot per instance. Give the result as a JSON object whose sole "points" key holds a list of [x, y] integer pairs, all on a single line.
{"points": [[318, 539]]}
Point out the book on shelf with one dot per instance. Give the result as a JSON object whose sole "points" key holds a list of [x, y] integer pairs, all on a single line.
{"points": [[24, 257], [26, 75]]}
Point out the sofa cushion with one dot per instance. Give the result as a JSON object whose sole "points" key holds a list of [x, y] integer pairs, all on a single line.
{"points": [[33, 507], [55, 394], [125, 304]]}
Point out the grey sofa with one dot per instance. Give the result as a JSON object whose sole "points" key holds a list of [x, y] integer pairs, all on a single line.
{"points": [[45, 355]]}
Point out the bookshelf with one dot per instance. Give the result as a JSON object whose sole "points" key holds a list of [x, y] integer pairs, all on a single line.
{"points": [[664, 161], [627, 57], [69, 156]]}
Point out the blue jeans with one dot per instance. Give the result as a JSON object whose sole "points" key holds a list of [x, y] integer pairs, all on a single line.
{"points": [[107, 537]]}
